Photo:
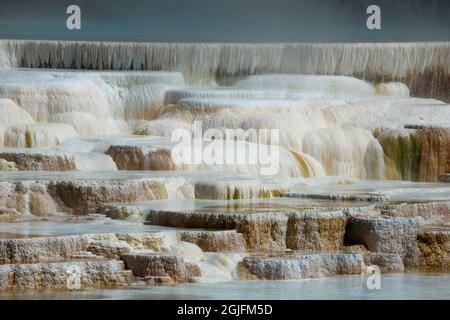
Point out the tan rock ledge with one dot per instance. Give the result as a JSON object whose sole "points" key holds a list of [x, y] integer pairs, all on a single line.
{"points": [[157, 267], [80, 197], [261, 231], [392, 235], [215, 241], [265, 231], [318, 231], [434, 246], [57, 275], [341, 197], [33, 160]]}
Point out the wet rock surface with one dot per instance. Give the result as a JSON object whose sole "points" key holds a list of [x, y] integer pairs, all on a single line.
{"points": [[261, 231], [79, 197], [387, 262], [392, 235], [418, 154], [215, 241], [344, 197], [94, 259], [301, 266], [111, 249], [41, 249], [57, 275], [267, 245], [432, 213], [132, 157], [40, 161], [158, 267], [83, 197]]}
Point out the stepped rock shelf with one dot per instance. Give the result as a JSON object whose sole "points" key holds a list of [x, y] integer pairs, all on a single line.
{"points": [[91, 185]]}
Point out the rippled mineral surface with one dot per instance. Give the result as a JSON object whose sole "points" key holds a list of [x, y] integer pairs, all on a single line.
{"points": [[99, 193]]}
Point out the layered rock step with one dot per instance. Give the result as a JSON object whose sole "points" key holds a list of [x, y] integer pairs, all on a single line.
{"points": [[386, 262], [60, 248], [70, 103], [50, 261], [372, 149], [81, 194], [36, 135], [418, 245], [235, 189], [215, 241], [300, 266], [393, 240], [90, 102], [56, 160], [266, 231], [233, 60], [58, 275], [312, 245], [43, 197], [93, 259], [339, 197], [46, 249], [166, 268], [434, 247], [241, 156], [392, 235], [174, 96], [417, 154], [430, 213]]}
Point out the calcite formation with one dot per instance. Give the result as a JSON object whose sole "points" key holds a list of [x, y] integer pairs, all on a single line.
{"points": [[406, 62], [432, 213], [393, 235], [49, 262], [26, 160], [86, 196], [141, 158], [317, 231], [416, 154], [261, 231], [37, 135], [158, 267], [41, 249], [341, 197], [77, 197], [387, 262], [111, 249], [434, 246], [55, 275], [6, 165], [215, 241], [228, 190]]}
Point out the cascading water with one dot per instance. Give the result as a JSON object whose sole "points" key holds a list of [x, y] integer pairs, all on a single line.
{"points": [[314, 114], [405, 62]]}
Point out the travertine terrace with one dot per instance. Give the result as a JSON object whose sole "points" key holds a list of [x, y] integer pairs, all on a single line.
{"points": [[87, 138]]}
